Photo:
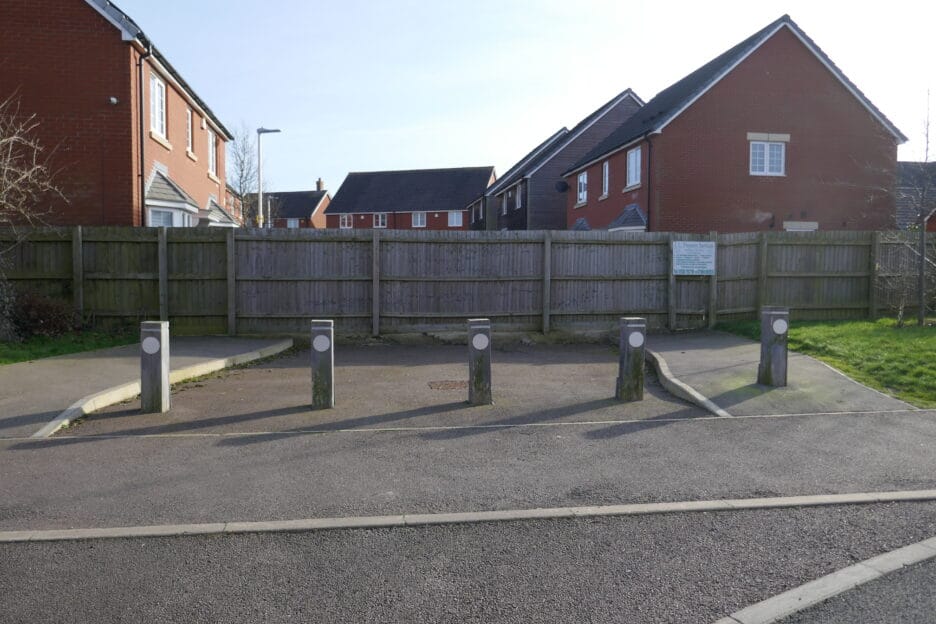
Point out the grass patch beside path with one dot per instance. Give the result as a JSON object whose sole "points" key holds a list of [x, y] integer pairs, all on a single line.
{"points": [[42, 347], [898, 361]]}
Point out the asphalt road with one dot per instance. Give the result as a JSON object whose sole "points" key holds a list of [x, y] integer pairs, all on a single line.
{"points": [[907, 596], [92, 481], [674, 568]]}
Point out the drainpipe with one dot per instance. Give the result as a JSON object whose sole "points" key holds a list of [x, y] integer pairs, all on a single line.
{"points": [[649, 178], [142, 138]]}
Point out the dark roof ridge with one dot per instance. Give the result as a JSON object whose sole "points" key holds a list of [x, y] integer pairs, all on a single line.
{"points": [[395, 171]]}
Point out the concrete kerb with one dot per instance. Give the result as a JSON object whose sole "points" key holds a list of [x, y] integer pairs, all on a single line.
{"points": [[123, 392], [414, 520], [679, 389], [810, 594]]}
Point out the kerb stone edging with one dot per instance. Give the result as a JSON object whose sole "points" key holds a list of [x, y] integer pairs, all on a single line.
{"points": [[123, 392], [810, 594], [679, 389], [411, 520]]}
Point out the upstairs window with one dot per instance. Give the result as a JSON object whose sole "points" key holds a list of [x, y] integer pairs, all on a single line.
{"points": [[380, 219], [582, 196], [767, 158], [188, 130], [212, 152], [346, 221], [455, 219], [504, 205], [157, 105], [292, 224], [605, 177], [633, 167], [517, 197], [419, 219]]}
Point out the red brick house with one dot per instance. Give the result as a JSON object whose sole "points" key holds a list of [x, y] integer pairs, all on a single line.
{"points": [[431, 199], [526, 197], [133, 144], [298, 209], [770, 135]]}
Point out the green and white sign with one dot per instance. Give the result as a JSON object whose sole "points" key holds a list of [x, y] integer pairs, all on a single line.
{"points": [[693, 258]]}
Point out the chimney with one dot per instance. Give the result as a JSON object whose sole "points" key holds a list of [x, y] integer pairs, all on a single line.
{"points": [[319, 185]]}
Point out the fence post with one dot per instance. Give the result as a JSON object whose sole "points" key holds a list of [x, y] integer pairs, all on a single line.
{"points": [[875, 261], [713, 285], [154, 367], [77, 272], [231, 283], [479, 362], [547, 278], [762, 271], [163, 259], [375, 289], [671, 287]]}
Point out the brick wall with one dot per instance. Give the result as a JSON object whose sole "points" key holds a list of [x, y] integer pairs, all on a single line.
{"points": [[403, 221]]}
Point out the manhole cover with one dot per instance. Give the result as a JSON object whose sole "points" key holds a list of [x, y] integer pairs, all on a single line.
{"points": [[448, 384]]}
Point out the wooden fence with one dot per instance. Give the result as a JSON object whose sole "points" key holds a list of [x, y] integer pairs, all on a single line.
{"points": [[382, 281]]}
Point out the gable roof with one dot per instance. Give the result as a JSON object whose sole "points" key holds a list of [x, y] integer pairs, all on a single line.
{"points": [[131, 31], [163, 188], [295, 204], [630, 217], [530, 160], [415, 190], [218, 216], [673, 100], [549, 148]]}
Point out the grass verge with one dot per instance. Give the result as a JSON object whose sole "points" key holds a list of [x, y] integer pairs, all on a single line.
{"points": [[898, 361], [43, 347]]}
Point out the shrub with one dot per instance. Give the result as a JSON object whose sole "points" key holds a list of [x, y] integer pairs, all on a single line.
{"points": [[38, 315], [8, 331]]}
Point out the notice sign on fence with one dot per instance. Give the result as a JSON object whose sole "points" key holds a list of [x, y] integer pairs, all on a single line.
{"points": [[693, 258]]}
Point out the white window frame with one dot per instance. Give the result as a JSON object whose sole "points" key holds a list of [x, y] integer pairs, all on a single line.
{"points": [[380, 220], [582, 189], [158, 115], [455, 218], [212, 152], [170, 213], [292, 224], [517, 203], [421, 221], [504, 204], [605, 178], [633, 167], [189, 132], [766, 169], [346, 221]]}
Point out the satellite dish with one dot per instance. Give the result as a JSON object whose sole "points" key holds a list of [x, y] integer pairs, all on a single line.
{"points": [[562, 186]]}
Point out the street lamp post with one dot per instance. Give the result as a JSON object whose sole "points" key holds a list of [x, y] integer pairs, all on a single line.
{"points": [[260, 132]]}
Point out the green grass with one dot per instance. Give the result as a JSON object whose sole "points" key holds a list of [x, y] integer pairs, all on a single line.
{"points": [[898, 361], [41, 347]]}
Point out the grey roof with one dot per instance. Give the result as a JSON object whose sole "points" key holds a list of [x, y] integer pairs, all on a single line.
{"points": [[536, 156], [294, 204], [219, 215], [912, 179], [631, 216], [553, 144], [162, 188], [670, 102], [416, 190], [125, 22], [581, 225]]}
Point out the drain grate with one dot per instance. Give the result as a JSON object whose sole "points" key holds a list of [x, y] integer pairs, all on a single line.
{"points": [[448, 384]]}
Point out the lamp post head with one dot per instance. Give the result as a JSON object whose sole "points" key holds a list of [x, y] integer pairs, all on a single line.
{"points": [[267, 130]]}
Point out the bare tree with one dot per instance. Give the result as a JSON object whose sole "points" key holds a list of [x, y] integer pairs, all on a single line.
{"points": [[242, 158], [27, 186]]}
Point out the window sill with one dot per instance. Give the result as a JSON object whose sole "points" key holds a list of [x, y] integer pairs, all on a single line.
{"points": [[161, 140], [768, 175], [213, 178], [603, 197], [632, 187], [580, 205], [191, 155]]}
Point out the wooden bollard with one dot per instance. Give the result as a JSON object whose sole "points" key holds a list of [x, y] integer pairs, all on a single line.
{"points": [[775, 325], [630, 379], [154, 367], [323, 364], [479, 362]]}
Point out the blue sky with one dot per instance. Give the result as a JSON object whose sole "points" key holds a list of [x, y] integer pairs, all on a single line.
{"points": [[361, 86]]}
